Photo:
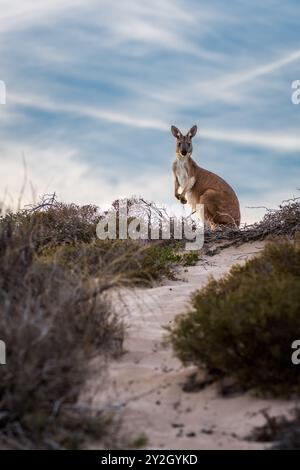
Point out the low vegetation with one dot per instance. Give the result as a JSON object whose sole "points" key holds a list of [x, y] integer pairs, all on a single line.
{"points": [[54, 317], [121, 262], [279, 432], [243, 325], [284, 221], [52, 323]]}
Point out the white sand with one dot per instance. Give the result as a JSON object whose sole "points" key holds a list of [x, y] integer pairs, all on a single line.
{"points": [[145, 384]]}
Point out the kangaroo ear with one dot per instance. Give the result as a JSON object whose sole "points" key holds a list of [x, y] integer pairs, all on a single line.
{"points": [[176, 132], [192, 132]]}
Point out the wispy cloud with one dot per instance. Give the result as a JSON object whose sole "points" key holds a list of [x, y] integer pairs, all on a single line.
{"points": [[59, 170], [271, 140], [21, 14], [243, 76], [96, 84]]}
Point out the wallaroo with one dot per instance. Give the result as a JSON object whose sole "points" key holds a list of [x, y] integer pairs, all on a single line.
{"points": [[196, 185]]}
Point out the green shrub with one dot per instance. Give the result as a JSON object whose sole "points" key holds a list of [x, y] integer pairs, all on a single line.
{"points": [[126, 261], [244, 324], [190, 258]]}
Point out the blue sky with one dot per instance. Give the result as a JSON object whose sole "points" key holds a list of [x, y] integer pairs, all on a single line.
{"points": [[94, 85]]}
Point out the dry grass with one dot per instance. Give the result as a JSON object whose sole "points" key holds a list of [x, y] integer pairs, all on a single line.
{"points": [[284, 221]]}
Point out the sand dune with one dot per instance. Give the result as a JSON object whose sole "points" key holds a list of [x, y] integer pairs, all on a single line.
{"points": [[145, 384]]}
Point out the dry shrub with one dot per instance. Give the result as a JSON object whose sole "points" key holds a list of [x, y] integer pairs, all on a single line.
{"points": [[284, 221], [283, 432], [52, 323], [57, 223], [54, 317]]}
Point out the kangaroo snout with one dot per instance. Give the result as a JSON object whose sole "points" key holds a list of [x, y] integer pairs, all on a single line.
{"points": [[184, 149]]}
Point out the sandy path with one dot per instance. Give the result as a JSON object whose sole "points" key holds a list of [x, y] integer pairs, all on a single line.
{"points": [[145, 384]]}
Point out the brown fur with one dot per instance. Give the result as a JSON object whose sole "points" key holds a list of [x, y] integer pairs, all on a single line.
{"points": [[221, 205]]}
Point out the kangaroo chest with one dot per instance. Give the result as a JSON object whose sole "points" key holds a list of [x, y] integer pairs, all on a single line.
{"points": [[181, 172]]}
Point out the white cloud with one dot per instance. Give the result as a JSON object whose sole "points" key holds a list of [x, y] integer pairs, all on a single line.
{"points": [[59, 170], [100, 29], [272, 140], [46, 104], [224, 86], [265, 69], [18, 14], [253, 208], [164, 24]]}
